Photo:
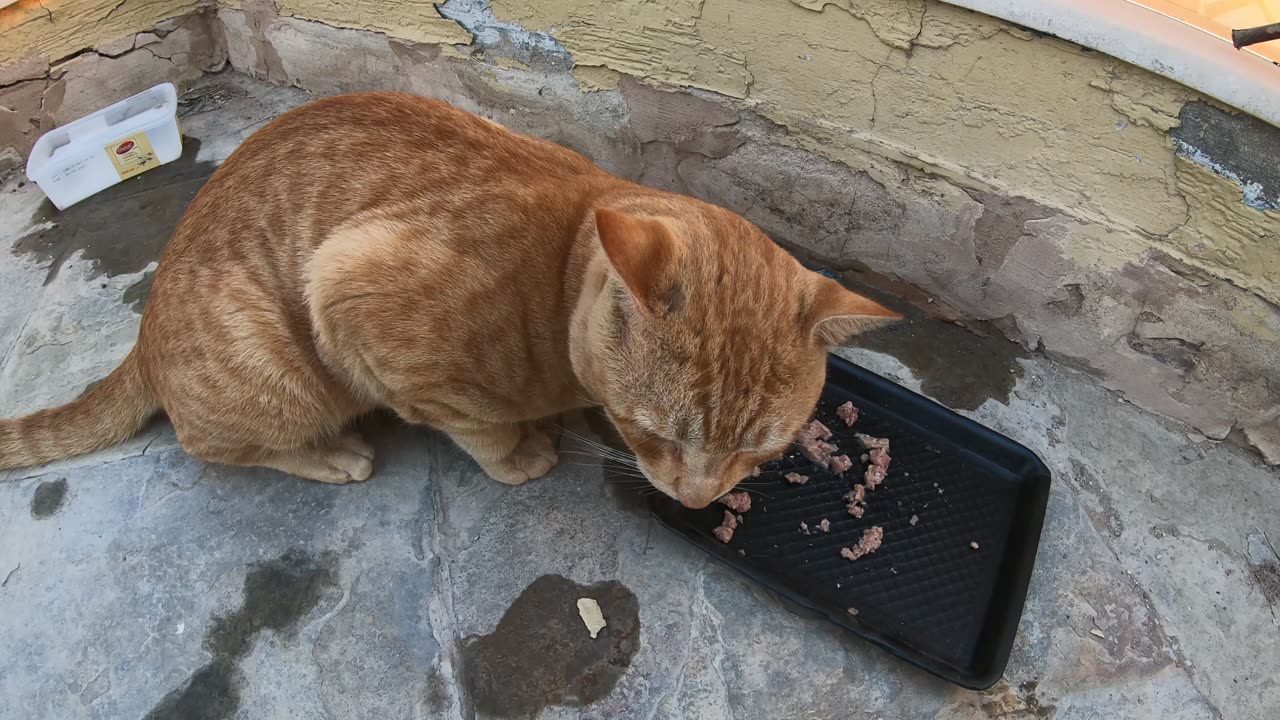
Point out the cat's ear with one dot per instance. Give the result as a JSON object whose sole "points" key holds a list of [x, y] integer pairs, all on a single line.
{"points": [[836, 314], [643, 251]]}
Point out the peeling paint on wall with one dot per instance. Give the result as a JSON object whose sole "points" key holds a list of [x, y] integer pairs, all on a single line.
{"points": [[416, 20], [897, 24], [54, 29], [1227, 234], [1238, 147], [35, 97]]}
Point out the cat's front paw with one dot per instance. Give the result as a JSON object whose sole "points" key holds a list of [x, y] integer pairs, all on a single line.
{"points": [[532, 458]]}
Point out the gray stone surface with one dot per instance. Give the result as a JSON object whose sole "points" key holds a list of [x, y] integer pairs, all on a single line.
{"points": [[152, 580]]}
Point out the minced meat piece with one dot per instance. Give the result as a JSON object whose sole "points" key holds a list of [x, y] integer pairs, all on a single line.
{"points": [[723, 534], [879, 456], [738, 502], [817, 451], [815, 430], [874, 476], [840, 463], [848, 413], [804, 527], [812, 445], [796, 478], [730, 520], [973, 545], [870, 442], [825, 525], [855, 500], [869, 543]]}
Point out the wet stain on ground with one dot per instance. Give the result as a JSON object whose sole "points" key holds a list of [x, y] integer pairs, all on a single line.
{"points": [[49, 498], [960, 366], [541, 654], [123, 228], [277, 594], [955, 367]]}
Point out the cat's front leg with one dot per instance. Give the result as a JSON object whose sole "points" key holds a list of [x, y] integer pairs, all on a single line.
{"points": [[512, 453]]}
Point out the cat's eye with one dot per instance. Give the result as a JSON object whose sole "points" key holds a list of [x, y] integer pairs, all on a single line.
{"points": [[666, 447]]}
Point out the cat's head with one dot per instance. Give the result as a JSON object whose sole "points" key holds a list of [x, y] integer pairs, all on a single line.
{"points": [[707, 343]]}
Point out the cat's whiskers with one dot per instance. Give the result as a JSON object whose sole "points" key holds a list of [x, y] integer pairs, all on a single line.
{"points": [[611, 463], [600, 448]]}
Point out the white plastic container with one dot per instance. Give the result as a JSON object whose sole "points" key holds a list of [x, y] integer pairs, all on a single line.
{"points": [[93, 153]]}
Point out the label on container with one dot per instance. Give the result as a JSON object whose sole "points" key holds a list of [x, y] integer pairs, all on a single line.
{"points": [[132, 155]]}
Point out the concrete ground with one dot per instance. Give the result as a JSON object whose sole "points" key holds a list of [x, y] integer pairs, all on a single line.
{"points": [[141, 583]]}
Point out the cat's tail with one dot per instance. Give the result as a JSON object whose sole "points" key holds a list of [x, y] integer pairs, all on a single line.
{"points": [[109, 413]]}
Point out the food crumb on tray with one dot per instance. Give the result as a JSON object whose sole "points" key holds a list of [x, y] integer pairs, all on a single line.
{"points": [[870, 441], [741, 504], [878, 457], [825, 525], [973, 545], [914, 519], [856, 500], [738, 501], [848, 413], [796, 478], [874, 475], [870, 542], [730, 520], [804, 528], [812, 443], [815, 430], [840, 464]]}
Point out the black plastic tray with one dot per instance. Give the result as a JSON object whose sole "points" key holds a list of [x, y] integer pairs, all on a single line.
{"points": [[926, 596]]}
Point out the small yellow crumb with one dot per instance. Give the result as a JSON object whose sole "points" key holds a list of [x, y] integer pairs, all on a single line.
{"points": [[589, 611]]}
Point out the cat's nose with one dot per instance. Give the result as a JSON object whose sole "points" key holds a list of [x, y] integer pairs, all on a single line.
{"points": [[696, 500]]}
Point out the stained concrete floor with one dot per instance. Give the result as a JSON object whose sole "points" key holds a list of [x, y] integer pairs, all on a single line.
{"points": [[139, 583]]}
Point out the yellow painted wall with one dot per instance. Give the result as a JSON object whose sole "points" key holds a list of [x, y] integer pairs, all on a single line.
{"points": [[967, 97], [415, 20], [53, 29]]}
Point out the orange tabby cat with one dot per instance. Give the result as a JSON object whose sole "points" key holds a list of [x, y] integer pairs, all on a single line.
{"points": [[381, 250]]}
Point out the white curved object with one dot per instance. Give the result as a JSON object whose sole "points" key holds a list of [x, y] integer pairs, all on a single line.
{"points": [[93, 153]]}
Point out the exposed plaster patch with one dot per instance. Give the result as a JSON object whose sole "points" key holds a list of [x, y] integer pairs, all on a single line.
{"points": [[488, 32]]}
